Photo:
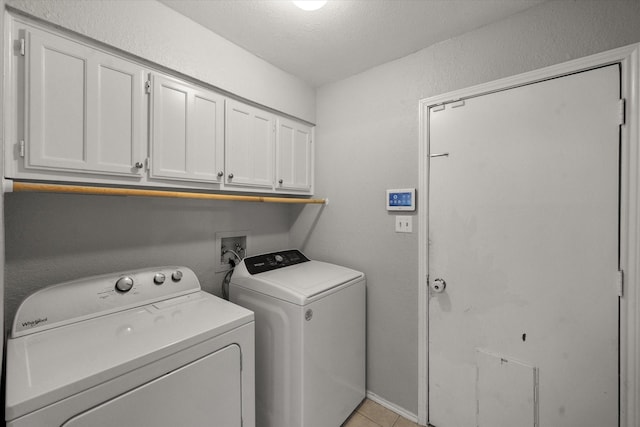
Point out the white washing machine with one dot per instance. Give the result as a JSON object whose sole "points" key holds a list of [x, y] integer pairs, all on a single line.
{"points": [[310, 338], [138, 348]]}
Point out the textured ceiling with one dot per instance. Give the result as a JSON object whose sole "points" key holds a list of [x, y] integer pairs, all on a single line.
{"points": [[346, 36]]}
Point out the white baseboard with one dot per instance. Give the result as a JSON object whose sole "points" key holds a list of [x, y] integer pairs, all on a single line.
{"points": [[395, 408]]}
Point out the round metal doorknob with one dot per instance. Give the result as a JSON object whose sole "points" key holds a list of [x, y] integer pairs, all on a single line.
{"points": [[139, 165], [280, 181], [438, 285], [220, 174], [230, 176]]}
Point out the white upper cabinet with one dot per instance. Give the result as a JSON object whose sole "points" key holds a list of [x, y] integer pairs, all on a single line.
{"points": [[84, 108], [293, 156], [76, 112], [187, 139], [249, 146]]}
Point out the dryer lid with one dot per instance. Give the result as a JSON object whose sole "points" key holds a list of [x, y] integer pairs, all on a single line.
{"points": [[300, 283]]}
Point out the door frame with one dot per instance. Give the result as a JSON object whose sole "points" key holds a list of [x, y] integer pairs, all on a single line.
{"points": [[629, 359]]}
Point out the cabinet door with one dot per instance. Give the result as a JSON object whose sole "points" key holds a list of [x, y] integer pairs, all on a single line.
{"points": [[117, 134], [293, 156], [187, 138], [84, 108], [249, 146]]}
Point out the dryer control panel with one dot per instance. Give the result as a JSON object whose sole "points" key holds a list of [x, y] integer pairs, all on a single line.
{"points": [[267, 262], [95, 296]]}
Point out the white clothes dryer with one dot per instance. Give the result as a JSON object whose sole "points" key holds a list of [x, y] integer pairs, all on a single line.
{"points": [[310, 338], [137, 348]]}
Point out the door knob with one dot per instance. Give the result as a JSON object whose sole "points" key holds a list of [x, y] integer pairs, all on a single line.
{"points": [[438, 285]]}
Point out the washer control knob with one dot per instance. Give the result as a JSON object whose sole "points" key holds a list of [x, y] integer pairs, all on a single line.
{"points": [[124, 284], [158, 279], [176, 276], [279, 259]]}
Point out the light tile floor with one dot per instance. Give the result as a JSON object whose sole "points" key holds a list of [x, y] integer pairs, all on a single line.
{"points": [[372, 414]]}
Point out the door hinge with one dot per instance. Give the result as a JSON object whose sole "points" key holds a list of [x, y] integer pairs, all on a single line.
{"points": [[620, 283], [147, 87], [23, 47], [147, 164], [21, 148], [622, 111]]}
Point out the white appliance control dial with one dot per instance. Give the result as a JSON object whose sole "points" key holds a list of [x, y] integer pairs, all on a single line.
{"points": [[176, 276], [124, 284], [279, 258], [158, 279]]}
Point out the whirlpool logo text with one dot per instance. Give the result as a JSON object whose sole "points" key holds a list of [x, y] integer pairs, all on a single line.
{"points": [[32, 323]]}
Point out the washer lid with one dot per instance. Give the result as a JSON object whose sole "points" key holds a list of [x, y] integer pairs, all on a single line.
{"points": [[48, 366], [300, 283]]}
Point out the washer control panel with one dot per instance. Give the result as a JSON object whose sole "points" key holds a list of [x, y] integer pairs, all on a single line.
{"points": [[267, 262], [95, 296]]}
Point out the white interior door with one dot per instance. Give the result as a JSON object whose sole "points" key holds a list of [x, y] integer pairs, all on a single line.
{"points": [[523, 229]]}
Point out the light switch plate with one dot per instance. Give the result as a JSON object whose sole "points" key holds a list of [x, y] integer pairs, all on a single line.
{"points": [[404, 224]]}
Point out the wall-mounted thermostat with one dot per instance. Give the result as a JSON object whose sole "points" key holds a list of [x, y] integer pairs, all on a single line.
{"points": [[401, 199]]}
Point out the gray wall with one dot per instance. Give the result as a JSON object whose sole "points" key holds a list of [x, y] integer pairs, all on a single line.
{"points": [[51, 238], [367, 142]]}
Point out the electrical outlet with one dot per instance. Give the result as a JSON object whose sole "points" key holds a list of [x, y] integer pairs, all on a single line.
{"points": [[404, 224]]}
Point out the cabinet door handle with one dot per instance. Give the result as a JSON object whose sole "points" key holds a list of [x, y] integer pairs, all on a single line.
{"points": [[230, 176], [280, 181], [220, 174], [139, 165]]}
